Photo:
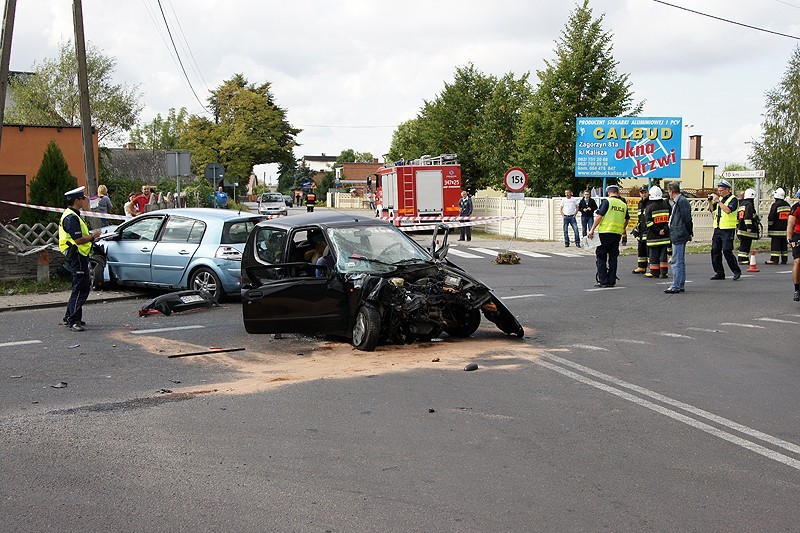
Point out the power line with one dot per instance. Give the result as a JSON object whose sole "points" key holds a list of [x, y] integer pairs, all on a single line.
{"points": [[169, 32], [728, 20], [340, 126], [195, 66]]}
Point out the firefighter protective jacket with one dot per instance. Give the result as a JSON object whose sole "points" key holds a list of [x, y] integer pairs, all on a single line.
{"points": [[777, 218], [640, 231], [656, 216], [747, 219]]}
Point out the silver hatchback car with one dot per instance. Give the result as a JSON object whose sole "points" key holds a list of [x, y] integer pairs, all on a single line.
{"points": [[272, 203], [176, 249]]}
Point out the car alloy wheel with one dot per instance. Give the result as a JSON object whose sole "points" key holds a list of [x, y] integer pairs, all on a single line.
{"points": [[366, 329], [204, 279]]}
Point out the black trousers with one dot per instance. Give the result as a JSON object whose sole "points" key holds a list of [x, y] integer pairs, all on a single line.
{"points": [[745, 243], [606, 254], [466, 233], [722, 245], [642, 253], [78, 265], [779, 249]]}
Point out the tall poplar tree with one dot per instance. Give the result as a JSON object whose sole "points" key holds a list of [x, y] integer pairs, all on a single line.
{"points": [[778, 149], [582, 81]]}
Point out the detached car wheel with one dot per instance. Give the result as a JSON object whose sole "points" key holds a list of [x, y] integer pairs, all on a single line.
{"points": [[366, 329], [204, 279], [468, 323]]}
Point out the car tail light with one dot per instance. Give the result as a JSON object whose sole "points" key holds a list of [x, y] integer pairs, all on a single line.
{"points": [[228, 252]]}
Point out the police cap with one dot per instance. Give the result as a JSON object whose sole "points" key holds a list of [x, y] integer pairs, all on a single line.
{"points": [[75, 193]]}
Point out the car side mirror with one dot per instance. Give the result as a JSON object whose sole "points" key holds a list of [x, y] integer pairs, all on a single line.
{"points": [[440, 251]]}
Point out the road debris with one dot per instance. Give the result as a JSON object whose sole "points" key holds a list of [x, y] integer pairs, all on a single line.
{"points": [[470, 367], [60, 385], [206, 352], [176, 302]]}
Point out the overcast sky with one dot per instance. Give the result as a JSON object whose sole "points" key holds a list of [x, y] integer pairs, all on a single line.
{"points": [[350, 71]]}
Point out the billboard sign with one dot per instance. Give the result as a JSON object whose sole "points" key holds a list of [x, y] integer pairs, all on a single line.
{"points": [[628, 147]]}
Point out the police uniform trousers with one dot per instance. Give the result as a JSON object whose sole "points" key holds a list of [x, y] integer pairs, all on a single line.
{"points": [[78, 265], [722, 245], [606, 253]]}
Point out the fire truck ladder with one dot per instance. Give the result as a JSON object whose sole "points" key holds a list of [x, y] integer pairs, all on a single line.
{"points": [[409, 186]]}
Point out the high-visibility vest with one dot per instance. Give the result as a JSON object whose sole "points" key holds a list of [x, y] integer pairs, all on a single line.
{"points": [[65, 239], [723, 220], [614, 219]]}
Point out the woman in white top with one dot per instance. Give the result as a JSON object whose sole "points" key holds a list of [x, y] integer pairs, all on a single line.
{"points": [[130, 207]]}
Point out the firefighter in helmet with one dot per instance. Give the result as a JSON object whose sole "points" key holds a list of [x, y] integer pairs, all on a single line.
{"points": [[656, 216], [311, 201], [747, 225], [776, 228]]}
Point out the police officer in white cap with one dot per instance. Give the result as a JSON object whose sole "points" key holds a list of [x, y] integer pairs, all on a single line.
{"points": [[724, 207], [75, 242]]}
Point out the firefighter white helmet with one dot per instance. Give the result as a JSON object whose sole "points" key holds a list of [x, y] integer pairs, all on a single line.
{"points": [[779, 194], [655, 193], [750, 193]]}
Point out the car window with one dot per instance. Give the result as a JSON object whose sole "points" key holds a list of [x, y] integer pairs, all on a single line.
{"points": [[270, 244], [372, 249], [271, 197], [145, 229], [237, 231], [180, 229]]}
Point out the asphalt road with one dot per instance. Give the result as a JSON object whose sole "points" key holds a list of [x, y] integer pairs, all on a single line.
{"points": [[623, 409]]}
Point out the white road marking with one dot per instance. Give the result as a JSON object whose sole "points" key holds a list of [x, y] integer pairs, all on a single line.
{"points": [[778, 320], [486, 251], [159, 330], [589, 347], [19, 343], [704, 330], [530, 254], [784, 272], [757, 448], [521, 296], [566, 254], [675, 335], [741, 325], [631, 341], [602, 289], [459, 253]]}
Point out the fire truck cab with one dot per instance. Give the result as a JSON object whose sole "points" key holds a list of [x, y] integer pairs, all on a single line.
{"points": [[428, 186]]}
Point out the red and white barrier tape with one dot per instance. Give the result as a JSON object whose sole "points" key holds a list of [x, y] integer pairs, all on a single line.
{"points": [[61, 210], [423, 218], [426, 227]]}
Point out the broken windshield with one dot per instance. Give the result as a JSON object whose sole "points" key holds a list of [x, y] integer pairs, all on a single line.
{"points": [[373, 249]]}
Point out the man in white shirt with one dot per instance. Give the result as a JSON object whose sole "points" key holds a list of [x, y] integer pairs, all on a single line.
{"points": [[569, 208]]}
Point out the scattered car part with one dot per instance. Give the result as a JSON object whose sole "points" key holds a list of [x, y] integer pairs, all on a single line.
{"points": [[176, 302]]}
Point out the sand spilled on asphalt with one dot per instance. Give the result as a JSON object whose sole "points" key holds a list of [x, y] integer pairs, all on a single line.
{"points": [[321, 359]]}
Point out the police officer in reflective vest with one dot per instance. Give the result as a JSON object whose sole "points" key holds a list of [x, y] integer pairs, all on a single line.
{"points": [[610, 221], [75, 242], [776, 228], [724, 207], [747, 225]]}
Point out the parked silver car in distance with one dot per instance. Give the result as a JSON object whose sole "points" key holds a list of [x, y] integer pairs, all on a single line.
{"points": [[272, 203]]}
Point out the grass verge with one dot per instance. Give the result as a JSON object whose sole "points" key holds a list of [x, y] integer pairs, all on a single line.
{"points": [[28, 286]]}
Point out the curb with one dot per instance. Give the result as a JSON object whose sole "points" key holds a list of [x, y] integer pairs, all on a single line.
{"points": [[63, 303]]}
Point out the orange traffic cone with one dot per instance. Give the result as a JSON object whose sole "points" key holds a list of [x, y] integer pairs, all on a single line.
{"points": [[753, 267]]}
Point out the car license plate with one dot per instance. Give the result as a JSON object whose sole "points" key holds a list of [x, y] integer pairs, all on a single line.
{"points": [[191, 299]]}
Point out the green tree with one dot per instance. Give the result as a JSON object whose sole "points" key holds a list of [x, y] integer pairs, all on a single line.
{"points": [[286, 176], [475, 117], [492, 141], [351, 156], [48, 186], [778, 149], [249, 129], [51, 96], [582, 81], [161, 133]]}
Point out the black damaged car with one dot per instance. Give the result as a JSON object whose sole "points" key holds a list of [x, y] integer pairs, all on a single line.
{"points": [[362, 279]]}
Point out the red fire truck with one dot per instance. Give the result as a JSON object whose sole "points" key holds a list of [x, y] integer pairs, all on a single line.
{"points": [[424, 187]]}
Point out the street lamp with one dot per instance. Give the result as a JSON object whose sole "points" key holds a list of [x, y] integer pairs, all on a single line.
{"points": [[688, 146]]}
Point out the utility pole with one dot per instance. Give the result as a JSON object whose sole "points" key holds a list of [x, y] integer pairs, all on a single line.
{"points": [[5, 56], [83, 85]]}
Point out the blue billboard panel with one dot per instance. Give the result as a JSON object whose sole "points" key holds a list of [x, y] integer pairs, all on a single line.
{"points": [[628, 147]]}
